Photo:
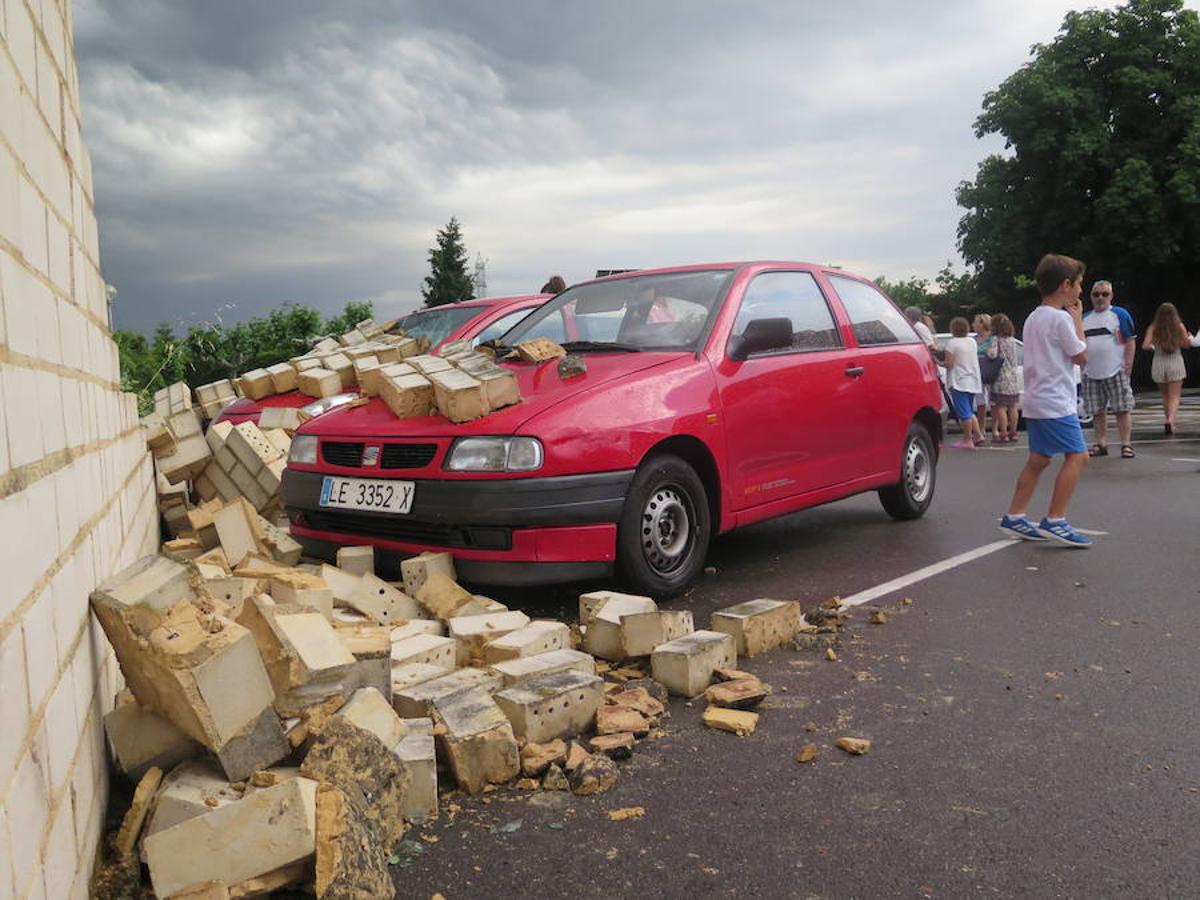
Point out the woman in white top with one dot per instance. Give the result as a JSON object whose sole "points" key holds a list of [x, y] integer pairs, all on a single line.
{"points": [[1167, 337], [961, 362]]}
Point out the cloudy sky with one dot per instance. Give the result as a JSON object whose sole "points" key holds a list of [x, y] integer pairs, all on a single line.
{"points": [[252, 153]]}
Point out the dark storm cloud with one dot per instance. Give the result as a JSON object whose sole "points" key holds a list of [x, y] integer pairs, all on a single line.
{"points": [[247, 154]]}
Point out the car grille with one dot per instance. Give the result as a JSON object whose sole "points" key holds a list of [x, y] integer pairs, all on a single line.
{"points": [[342, 453], [398, 528], [407, 456]]}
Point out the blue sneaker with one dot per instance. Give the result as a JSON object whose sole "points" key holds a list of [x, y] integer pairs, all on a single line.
{"points": [[1021, 527], [1064, 534]]}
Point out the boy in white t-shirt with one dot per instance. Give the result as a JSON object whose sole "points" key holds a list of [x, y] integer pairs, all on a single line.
{"points": [[1054, 344]]}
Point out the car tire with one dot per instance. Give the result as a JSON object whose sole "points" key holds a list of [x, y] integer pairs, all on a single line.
{"points": [[911, 495], [664, 530]]}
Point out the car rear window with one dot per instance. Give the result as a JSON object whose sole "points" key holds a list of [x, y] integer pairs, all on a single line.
{"points": [[875, 319], [667, 311]]}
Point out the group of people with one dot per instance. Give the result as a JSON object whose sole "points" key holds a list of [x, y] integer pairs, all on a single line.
{"points": [[1058, 336], [983, 369]]}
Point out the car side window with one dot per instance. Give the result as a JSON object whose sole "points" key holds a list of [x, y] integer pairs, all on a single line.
{"points": [[874, 318], [794, 296], [500, 326], [550, 327]]}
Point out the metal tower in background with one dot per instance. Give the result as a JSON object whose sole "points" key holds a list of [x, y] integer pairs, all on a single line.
{"points": [[479, 279]]}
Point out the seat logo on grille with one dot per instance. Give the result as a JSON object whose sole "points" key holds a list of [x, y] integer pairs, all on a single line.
{"points": [[370, 455]]}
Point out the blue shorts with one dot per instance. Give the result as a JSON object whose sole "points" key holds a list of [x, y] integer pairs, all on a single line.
{"points": [[964, 404], [1049, 437]]}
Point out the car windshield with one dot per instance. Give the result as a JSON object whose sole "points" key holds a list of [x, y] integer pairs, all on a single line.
{"points": [[439, 322], [644, 312]]}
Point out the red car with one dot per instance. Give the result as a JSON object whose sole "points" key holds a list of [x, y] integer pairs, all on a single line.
{"points": [[715, 396], [475, 320]]}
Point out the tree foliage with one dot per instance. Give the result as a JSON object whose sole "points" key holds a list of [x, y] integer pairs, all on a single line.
{"points": [[1102, 130], [448, 279], [950, 294], [213, 351]]}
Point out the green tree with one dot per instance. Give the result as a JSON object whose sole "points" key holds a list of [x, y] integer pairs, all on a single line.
{"points": [[910, 292], [448, 280], [1102, 128], [355, 312]]}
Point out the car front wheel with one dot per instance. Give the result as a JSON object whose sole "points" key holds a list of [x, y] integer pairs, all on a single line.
{"points": [[911, 495], [663, 534]]}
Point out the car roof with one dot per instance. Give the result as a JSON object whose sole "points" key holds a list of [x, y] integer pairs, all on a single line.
{"points": [[487, 302]]}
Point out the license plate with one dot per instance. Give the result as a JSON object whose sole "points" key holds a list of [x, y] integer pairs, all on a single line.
{"points": [[367, 494]]}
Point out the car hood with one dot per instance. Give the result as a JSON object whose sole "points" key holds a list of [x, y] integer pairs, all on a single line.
{"points": [[541, 388]]}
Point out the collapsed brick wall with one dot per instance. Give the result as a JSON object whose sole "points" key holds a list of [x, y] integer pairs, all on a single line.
{"points": [[76, 484]]}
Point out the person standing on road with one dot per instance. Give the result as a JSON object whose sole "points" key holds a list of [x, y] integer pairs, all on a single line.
{"points": [[1053, 343], [1109, 332], [961, 362], [1006, 389], [985, 346], [1167, 337], [917, 317]]}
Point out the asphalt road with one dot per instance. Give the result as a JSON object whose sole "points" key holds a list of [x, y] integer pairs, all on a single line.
{"points": [[1033, 714]]}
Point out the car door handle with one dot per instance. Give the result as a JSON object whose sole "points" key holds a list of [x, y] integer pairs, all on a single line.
{"points": [[855, 371]]}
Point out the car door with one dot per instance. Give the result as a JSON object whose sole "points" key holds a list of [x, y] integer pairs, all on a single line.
{"points": [[789, 414], [891, 354]]}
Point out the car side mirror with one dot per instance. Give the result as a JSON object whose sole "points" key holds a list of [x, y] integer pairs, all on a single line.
{"points": [[760, 335]]}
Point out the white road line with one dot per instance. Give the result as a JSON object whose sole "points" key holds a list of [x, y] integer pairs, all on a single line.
{"points": [[1184, 459], [1092, 533], [928, 572]]}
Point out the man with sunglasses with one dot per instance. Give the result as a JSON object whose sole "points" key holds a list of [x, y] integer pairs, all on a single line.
{"points": [[1109, 333]]}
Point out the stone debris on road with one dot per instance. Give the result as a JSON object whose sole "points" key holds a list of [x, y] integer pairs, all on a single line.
{"points": [[285, 721]]}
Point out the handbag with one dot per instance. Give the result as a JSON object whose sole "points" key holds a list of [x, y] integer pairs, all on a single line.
{"points": [[989, 368]]}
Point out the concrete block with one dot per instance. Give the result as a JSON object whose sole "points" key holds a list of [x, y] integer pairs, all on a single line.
{"points": [[306, 661], [282, 547], [417, 701], [216, 390], [356, 560], [408, 396], [352, 338], [358, 763], [417, 626], [251, 447], [459, 397], [412, 674], [383, 602], [343, 584], [189, 790], [471, 633], [238, 530], [350, 860], [369, 710], [416, 570], [285, 418], [226, 489], [591, 603], [369, 375], [500, 387], [759, 625], [539, 636], [278, 437], [247, 486], [319, 382], [184, 424], [140, 739], [524, 669], [442, 596], [256, 384], [232, 591], [478, 741], [552, 706], [299, 588], [259, 745], [622, 627], [685, 666], [326, 345], [191, 456], [427, 365], [341, 364], [158, 436], [418, 756], [265, 831], [371, 647], [153, 582], [283, 378], [425, 648], [479, 605]]}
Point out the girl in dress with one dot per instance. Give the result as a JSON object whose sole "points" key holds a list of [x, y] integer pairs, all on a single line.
{"points": [[1006, 389], [1167, 337]]}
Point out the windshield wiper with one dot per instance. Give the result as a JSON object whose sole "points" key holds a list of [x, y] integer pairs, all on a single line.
{"points": [[601, 346]]}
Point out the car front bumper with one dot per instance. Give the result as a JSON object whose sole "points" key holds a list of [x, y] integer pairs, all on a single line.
{"points": [[517, 531]]}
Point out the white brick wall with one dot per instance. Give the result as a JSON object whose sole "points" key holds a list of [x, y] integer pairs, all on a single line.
{"points": [[75, 481]]}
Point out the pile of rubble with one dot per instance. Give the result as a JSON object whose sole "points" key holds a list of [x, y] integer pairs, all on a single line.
{"points": [[304, 714]]}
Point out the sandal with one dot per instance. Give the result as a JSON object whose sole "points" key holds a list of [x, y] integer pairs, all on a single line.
{"points": [[1098, 450], [1127, 452]]}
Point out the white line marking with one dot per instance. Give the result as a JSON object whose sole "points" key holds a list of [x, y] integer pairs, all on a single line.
{"points": [[1093, 533], [1184, 459], [928, 572]]}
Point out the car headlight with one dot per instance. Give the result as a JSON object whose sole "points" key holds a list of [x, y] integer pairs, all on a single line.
{"points": [[325, 404], [495, 454], [303, 449]]}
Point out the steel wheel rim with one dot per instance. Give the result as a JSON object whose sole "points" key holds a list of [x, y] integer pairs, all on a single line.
{"points": [[667, 528], [918, 473]]}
